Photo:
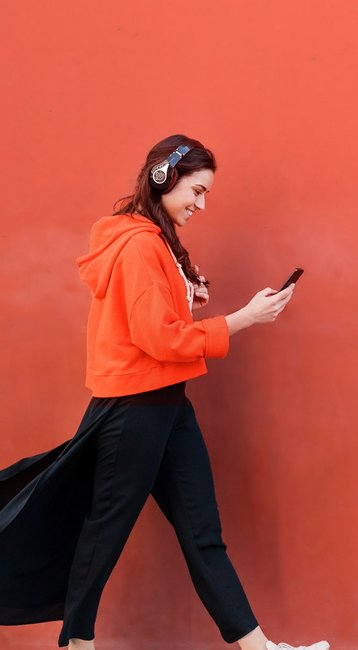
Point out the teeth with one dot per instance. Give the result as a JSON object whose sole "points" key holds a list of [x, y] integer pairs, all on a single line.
{"points": [[189, 212]]}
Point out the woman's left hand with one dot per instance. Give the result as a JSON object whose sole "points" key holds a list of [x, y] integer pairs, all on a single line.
{"points": [[201, 294]]}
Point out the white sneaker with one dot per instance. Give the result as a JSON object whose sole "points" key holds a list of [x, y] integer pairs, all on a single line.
{"points": [[321, 645]]}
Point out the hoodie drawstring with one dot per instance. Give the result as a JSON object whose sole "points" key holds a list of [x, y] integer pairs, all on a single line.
{"points": [[188, 283]]}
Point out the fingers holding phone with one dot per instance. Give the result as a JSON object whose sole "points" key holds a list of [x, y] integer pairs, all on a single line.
{"points": [[264, 307], [284, 295], [267, 304], [281, 298]]}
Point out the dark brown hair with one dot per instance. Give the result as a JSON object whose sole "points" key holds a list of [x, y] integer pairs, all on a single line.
{"points": [[147, 201]]}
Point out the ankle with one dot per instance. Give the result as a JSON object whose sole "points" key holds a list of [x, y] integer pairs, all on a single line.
{"points": [[254, 640], [81, 644]]}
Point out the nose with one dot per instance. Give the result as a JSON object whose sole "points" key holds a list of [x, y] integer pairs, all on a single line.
{"points": [[200, 201]]}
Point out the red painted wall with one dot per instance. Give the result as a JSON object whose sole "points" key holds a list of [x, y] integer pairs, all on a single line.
{"points": [[271, 86]]}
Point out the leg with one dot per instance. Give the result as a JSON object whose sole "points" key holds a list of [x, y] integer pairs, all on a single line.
{"points": [[129, 450], [184, 490]]}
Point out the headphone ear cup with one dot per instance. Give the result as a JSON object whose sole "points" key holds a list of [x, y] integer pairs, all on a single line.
{"points": [[173, 178]]}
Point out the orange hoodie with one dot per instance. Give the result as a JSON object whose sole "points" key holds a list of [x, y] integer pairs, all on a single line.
{"points": [[141, 334]]}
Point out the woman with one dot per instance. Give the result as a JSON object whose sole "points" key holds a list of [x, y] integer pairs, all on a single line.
{"points": [[140, 430]]}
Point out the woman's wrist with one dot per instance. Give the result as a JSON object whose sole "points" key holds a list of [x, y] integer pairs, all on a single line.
{"points": [[238, 320]]}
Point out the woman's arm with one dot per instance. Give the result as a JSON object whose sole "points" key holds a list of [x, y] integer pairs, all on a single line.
{"points": [[156, 328]]}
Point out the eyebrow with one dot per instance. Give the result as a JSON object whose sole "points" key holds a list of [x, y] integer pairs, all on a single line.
{"points": [[203, 186]]}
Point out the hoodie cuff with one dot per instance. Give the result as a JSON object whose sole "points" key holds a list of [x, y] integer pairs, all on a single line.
{"points": [[217, 336]]}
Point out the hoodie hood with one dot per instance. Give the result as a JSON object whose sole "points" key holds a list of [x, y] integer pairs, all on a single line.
{"points": [[108, 237]]}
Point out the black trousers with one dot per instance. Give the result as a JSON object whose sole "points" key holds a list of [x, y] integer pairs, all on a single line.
{"points": [[151, 443]]}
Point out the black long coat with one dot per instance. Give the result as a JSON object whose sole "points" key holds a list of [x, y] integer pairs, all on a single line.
{"points": [[43, 502]]}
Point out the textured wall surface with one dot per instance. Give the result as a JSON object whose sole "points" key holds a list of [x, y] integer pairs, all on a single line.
{"points": [[271, 86]]}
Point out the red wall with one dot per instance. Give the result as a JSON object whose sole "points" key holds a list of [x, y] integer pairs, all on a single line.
{"points": [[272, 88]]}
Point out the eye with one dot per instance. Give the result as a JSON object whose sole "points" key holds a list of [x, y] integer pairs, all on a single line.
{"points": [[196, 192]]}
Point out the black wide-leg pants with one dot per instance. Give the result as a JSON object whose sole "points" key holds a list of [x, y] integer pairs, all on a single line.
{"points": [[151, 443]]}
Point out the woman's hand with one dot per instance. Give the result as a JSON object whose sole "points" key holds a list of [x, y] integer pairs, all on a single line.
{"points": [[201, 294], [267, 304], [264, 307]]}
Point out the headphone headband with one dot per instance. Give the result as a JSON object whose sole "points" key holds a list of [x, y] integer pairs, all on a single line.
{"points": [[177, 155]]}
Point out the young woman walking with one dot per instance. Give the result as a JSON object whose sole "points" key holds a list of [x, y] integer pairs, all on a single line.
{"points": [[140, 430]]}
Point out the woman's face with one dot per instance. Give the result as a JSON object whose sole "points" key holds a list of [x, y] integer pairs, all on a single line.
{"points": [[187, 196]]}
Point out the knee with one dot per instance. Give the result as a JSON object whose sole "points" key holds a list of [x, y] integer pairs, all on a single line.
{"points": [[208, 535]]}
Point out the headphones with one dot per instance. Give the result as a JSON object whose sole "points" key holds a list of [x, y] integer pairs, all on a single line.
{"points": [[163, 176]]}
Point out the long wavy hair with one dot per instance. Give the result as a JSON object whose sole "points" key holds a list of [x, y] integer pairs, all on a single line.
{"points": [[147, 201]]}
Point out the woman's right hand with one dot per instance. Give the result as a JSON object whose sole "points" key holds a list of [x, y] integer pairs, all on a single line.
{"points": [[264, 307], [267, 304]]}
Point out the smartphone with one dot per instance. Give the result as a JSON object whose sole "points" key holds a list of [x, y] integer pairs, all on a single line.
{"points": [[293, 278]]}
